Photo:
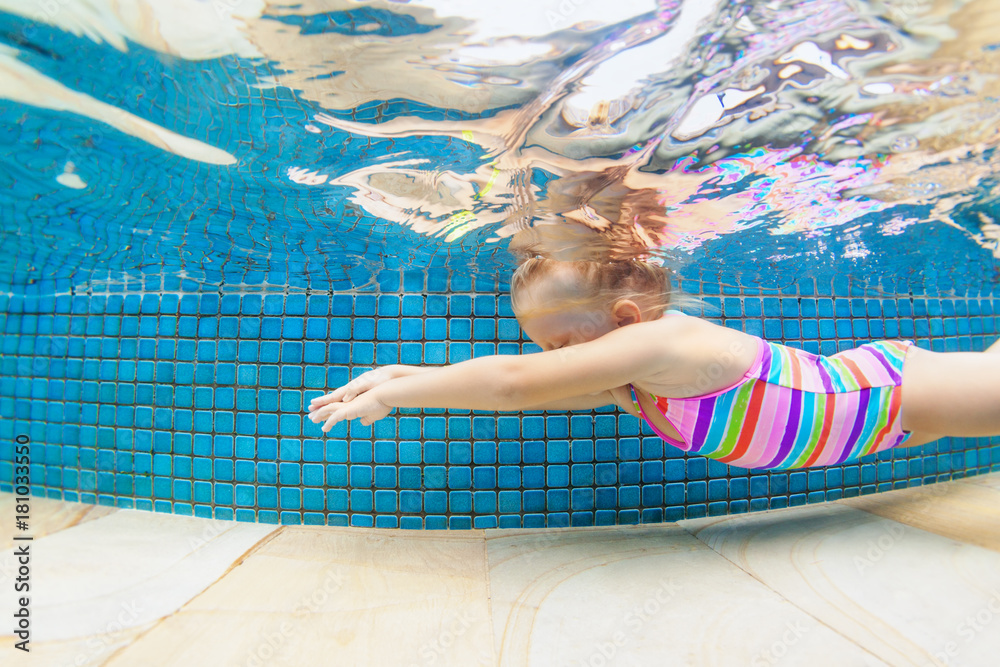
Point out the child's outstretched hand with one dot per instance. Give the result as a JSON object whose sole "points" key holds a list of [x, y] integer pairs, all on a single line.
{"points": [[358, 385], [334, 407], [365, 407]]}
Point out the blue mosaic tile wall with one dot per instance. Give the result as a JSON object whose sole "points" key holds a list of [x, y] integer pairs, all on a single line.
{"points": [[193, 403]]}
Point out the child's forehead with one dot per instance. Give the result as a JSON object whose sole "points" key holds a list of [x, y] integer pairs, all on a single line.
{"points": [[561, 280], [552, 293]]}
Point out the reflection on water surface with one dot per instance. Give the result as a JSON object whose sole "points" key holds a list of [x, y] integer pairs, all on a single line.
{"points": [[445, 132]]}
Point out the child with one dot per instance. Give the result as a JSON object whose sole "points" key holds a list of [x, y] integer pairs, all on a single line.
{"points": [[608, 338]]}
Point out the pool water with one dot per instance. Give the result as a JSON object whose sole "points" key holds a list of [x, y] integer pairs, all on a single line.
{"points": [[214, 211]]}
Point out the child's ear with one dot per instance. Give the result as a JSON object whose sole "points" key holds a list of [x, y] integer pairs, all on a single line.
{"points": [[626, 312]]}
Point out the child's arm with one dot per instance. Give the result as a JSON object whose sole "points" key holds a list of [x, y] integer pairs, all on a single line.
{"points": [[371, 379], [588, 402], [520, 382], [367, 381]]}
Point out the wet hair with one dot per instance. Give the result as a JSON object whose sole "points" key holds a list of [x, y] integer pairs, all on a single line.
{"points": [[598, 282]]}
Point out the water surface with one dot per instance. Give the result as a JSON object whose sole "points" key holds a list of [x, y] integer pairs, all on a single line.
{"points": [[314, 143]]}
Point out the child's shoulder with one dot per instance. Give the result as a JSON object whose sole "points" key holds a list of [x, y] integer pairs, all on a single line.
{"points": [[684, 334], [691, 331], [677, 334], [693, 345], [675, 322]]}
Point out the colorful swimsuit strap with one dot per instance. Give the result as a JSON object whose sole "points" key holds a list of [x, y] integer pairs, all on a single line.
{"points": [[666, 438]]}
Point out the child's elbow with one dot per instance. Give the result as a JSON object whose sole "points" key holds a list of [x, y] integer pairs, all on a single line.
{"points": [[511, 387]]}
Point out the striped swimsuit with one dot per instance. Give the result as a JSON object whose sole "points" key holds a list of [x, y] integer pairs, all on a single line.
{"points": [[794, 409]]}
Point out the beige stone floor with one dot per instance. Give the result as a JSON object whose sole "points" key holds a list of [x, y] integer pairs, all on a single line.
{"points": [[908, 577]]}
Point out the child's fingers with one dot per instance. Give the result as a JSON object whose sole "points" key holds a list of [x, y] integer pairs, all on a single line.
{"points": [[331, 422], [342, 412], [326, 399], [324, 412], [334, 396], [352, 389], [320, 413], [368, 411], [330, 414], [364, 382]]}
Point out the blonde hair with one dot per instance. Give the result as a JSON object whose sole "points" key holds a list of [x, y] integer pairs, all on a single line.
{"points": [[602, 282]]}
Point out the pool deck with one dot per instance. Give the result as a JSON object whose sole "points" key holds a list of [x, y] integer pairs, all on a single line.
{"points": [[907, 577]]}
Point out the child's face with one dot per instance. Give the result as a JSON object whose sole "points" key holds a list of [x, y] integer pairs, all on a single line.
{"points": [[551, 327], [551, 331]]}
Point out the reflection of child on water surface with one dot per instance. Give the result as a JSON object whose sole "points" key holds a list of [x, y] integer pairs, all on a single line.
{"points": [[609, 338], [790, 190]]}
